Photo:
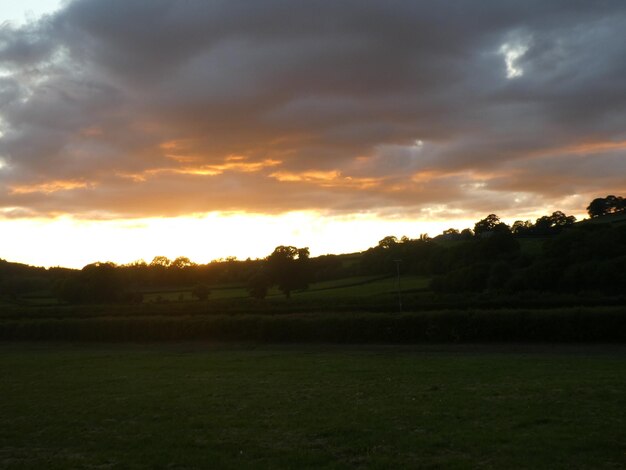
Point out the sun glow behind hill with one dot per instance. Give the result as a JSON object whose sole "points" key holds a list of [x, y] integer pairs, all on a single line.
{"points": [[74, 243]]}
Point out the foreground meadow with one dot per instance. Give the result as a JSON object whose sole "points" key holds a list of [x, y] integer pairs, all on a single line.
{"points": [[192, 405]]}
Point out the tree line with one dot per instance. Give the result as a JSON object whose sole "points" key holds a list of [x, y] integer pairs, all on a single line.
{"points": [[489, 257]]}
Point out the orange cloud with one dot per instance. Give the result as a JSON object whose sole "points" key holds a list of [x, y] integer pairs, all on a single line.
{"points": [[50, 187], [238, 163], [426, 176], [332, 178], [93, 131], [585, 148], [233, 163]]}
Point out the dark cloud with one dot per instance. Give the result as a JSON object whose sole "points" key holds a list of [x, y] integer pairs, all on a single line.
{"points": [[163, 107]]}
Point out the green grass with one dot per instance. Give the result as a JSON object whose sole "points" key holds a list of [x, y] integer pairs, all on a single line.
{"points": [[183, 295], [195, 406], [365, 289], [362, 286], [32, 301], [186, 295], [344, 282]]}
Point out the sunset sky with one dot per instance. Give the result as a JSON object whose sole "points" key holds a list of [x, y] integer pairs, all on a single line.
{"points": [[136, 128]]}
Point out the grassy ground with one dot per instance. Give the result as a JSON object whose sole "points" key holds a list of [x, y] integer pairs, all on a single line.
{"points": [[377, 287], [195, 406], [363, 286], [615, 219]]}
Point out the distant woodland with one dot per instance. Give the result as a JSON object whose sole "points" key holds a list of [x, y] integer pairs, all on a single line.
{"points": [[553, 254]]}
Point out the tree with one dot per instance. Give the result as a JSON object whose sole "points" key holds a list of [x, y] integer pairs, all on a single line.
{"points": [[181, 262], [549, 224], [607, 205], [201, 291], [559, 219], [522, 227], [597, 207], [491, 223], [258, 285], [388, 242], [288, 267], [103, 282], [95, 283], [615, 204], [161, 261], [449, 234], [467, 234]]}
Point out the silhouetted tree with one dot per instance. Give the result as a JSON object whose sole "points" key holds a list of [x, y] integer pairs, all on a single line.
{"points": [[181, 262], [103, 282], [200, 291], [450, 234], [161, 261], [491, 223], [559, 219], [467, 234], [289, 268], [388, 242], [607, 205], [549, 224], [258, 285], [522, 227], [95, 283]]}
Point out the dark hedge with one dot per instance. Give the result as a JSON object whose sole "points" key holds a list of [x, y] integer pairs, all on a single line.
{"points": [[597, 324]]}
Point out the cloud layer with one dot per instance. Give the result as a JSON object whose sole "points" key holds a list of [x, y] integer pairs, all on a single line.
{"points": [[133, 108]]}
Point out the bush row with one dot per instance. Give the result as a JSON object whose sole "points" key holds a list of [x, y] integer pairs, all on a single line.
{"points": [[607, 324], [384, 303]]}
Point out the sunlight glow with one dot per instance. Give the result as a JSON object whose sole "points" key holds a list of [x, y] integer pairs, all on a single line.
{"points": [[74, 243]]}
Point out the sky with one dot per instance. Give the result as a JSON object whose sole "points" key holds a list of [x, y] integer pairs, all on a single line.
{"points": [[213, 128]]}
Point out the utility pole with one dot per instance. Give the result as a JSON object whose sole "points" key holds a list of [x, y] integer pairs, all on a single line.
{"points": [[398, 261]]}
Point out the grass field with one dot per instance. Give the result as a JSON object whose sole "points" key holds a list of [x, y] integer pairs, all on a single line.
{"points": [[344, 288], [363, 286], [615, 219], [198, 406], [186, 295]]}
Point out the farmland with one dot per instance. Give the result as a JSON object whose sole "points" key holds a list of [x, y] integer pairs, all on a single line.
{"points": [[199, 405], [363, 286]]}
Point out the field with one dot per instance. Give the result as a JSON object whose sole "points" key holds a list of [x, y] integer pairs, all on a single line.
{"points": [[192, 405], [364, 286]]}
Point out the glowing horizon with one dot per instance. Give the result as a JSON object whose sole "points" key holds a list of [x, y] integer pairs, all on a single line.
{"points": [[71, 243]]}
